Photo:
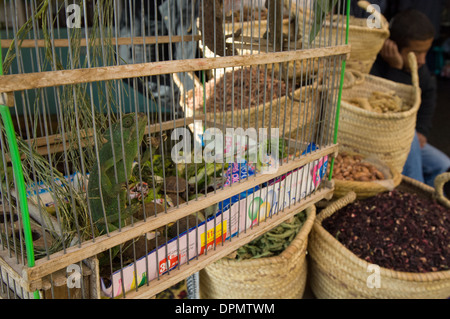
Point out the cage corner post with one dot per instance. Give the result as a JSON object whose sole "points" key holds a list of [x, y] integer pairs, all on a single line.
{"points": [[18, 174]]}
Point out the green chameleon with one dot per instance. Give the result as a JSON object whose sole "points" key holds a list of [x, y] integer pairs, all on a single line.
{"points": [[321, 10], [132, 134]]}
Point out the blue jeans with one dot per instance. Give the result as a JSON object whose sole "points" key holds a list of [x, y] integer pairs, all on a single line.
{"points": [[425, 164]]}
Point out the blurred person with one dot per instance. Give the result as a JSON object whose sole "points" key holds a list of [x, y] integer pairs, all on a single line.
{"points": [[412, 31]]}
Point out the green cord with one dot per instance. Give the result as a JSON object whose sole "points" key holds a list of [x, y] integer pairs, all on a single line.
{"points": [[19, 179], [338, 111]]}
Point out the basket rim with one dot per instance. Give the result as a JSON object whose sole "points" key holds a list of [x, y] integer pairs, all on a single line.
{"points": [[385, 116], [385, 272], [299, 241], [381, 80], [310, 87], [388, 83], [384, 30], [364, 5], [264, 104]]}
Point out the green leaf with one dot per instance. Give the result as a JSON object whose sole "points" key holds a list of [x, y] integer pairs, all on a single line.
{"points": [[153, 194], [327, 5], [322, 8]]}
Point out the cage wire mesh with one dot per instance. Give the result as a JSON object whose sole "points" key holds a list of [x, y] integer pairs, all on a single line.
{"points": [[157, 136]]}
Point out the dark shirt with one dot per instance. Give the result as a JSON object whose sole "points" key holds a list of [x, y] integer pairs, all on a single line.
{"points": [[431, 8], [427, 85], [389, 8]]}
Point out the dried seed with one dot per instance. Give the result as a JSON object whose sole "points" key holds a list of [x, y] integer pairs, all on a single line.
{"points": [[395, 230]]}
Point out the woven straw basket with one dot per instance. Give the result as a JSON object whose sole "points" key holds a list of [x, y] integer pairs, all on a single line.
{"points": [[337, 273], [279, 277], [366, 42], [438, 184], [271, 113], [387, 136], [365, 190]]}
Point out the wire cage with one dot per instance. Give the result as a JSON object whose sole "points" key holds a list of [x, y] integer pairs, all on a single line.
{"points": [[143, 140]]}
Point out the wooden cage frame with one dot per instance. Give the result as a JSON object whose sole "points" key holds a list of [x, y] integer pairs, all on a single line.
{"points": [[32, 279]]}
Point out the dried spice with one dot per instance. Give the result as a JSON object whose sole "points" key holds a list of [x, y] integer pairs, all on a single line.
{"points": [[239, 88], [349, 167], [395, 230], [381, 102]]}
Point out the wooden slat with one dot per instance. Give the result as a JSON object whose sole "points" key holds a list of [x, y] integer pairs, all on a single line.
{"points": [[165, 126], [86, 134], [155, 128], [55, 141], [27, 81], [59, 148], [62, 43], [56, 138], [61, 260], [220, 252], [16, 272], [255, 44]]}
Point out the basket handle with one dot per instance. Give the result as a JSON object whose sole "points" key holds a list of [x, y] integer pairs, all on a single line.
{"points": [[335, 206], [356, 78], [414, 69], [365, 5], [439, 186]]}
